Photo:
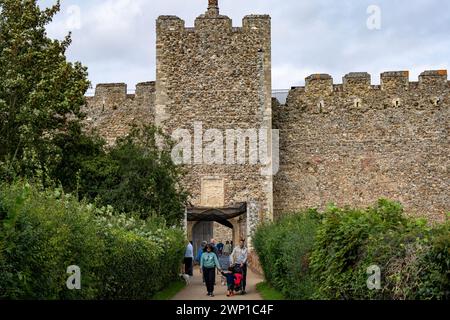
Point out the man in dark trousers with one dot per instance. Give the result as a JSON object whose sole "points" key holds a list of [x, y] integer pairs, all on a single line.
{"points": [[189, 260], [239, 257]]}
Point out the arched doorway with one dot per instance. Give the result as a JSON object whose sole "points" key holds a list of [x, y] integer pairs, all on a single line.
{"points": [[203, 220], [202, 231]]}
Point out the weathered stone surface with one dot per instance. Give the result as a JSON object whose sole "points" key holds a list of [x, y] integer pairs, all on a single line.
{"points": [[362, 142], [223, 234], [218, 76], [112, 111]]}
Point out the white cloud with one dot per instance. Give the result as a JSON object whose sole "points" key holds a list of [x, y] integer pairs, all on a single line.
{"points": [[117, 37]]}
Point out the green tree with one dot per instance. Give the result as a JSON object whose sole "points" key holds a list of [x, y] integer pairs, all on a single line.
{"points": [[40, 91], [137, 175], [41, 131]]}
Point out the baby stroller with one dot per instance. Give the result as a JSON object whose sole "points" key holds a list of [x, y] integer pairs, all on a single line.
{"points": [[237, 278]]}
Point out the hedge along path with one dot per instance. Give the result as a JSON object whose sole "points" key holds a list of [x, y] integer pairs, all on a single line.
{"points": [[196, 290]]}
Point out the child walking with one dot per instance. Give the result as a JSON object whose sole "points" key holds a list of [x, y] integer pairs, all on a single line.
{"points": [[229, 275]]}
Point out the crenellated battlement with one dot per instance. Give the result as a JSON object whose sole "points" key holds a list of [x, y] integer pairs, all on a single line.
{"points": [[316, 83], [390, 81], [113, 109], [170, 24], [113, 90], [356, 81], [437, 78], [118, 92], [208, 24]]}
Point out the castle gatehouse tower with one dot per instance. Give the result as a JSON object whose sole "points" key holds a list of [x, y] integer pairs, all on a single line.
{"points": [[213, 96]]}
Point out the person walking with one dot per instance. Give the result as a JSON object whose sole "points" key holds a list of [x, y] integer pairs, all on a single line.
{"points": [[227, 249], [208, 265], [214, 247], [189, 260], [239, 257], [220, 248], [200, 252]]}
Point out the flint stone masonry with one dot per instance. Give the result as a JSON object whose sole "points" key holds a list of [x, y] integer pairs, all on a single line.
{"points": [[224, 234], [220, 76], [349, 143], [111, 112], [392, 143]]}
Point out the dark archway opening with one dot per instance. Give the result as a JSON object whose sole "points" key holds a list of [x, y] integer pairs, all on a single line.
{"points": [[205, 218], [220, 215]]}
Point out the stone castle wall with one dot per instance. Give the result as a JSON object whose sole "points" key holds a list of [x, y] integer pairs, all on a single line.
{"points": [[112, 112], [354, 143]]}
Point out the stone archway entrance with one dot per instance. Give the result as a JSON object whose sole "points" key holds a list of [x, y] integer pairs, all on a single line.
{"points": [[200, 222]]}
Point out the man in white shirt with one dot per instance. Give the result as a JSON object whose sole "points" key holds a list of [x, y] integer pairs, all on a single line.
{"points": [[239, 257], [189, 260]]}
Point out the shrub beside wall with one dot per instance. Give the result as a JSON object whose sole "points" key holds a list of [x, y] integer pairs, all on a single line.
{"points": [[42, 232], [414, 258], [284, 250], [142, 258]]}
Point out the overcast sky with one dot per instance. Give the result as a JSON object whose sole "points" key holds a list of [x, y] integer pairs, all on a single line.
{"points": [[115, 39]]}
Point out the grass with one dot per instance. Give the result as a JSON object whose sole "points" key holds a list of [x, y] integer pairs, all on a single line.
{"points": [[169, 292], [269, 293]]}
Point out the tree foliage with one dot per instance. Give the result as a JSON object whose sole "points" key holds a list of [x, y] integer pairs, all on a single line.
{"points": [[40, 91], [41, 130], [136, 175], [328, 258]]}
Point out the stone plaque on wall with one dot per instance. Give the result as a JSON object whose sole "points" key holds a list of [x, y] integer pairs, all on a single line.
{"points": [[213, 192]]}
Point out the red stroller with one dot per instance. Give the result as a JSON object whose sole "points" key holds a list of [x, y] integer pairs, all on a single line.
{"points": [[237, 278]]}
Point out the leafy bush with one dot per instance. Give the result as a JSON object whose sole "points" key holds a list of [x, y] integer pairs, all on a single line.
{"points": [[138, 175], [135, 175], [284, 250], [141, 257], [307, 257], [42, 232], [349, 241]]}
